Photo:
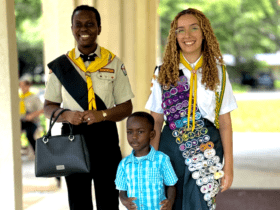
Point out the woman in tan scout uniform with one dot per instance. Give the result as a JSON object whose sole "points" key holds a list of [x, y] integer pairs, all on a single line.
{"points": [[92, 82], [191, 92]]}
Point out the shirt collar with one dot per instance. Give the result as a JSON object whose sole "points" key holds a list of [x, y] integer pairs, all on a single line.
{"points": [[150, 156], [78, 53], [192, 64]]}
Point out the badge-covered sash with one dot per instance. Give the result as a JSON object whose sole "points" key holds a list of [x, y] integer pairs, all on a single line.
{"points": [[195, 144]]}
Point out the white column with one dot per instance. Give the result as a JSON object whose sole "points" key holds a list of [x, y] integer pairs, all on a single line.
{"points": [[58, 38], [10, 157]]}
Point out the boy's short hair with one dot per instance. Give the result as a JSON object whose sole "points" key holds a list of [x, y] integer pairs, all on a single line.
{"points": [[145, 115], [88, 8]]}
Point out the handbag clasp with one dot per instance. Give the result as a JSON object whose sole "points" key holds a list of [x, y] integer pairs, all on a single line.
{"points": [[71, 137], [45, 140]]}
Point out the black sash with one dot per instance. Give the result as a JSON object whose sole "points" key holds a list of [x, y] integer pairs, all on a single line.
{"points": [[72, 81]]}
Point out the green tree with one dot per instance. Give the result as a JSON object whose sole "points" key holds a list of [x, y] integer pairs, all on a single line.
{"points": [[243, 27], [29, 33]]}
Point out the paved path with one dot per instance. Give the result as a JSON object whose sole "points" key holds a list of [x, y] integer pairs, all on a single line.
{"points": [[256, 166]]}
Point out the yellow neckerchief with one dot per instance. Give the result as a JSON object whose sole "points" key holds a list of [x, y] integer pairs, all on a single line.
{"points": [[193, 86], [22, 96], [98, 63]]}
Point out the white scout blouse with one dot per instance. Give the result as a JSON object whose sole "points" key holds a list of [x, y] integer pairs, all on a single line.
{"points": [[110, 84], [205, 98]]}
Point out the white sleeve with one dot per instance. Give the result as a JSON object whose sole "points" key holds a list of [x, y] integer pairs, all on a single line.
{"points": [[229, 101], [155, 99]]}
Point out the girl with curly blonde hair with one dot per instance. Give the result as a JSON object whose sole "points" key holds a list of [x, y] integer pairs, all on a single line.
{"points": [[192, 94]]}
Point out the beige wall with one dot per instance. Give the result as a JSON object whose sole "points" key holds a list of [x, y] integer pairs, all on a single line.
{"points": [[10, 158], [129, 29]]}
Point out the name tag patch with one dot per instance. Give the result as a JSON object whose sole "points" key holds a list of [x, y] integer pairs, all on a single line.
{"points": [[107, 70]]}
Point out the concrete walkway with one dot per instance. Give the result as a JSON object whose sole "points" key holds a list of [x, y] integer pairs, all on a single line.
{"points": [[256, 166]]}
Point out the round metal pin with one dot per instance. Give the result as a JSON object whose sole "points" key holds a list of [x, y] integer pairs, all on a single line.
{"points": [[191, 135], [205, 180], [219, 166], [216, 159], [210, 162], [209, 153], [175, 133], [192, 167], [182, 147], [188, 161], [179, 140], [204, 131], [188, 144], [206, 138], [195, 175], [186, 154], [200, 157], [207, 197], [199, 166], [204, 189], [199, 182]]}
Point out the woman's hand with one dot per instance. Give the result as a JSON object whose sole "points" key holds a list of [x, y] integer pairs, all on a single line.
{"points": [[73, 117], [227, 179], [226, 136], [92, 116]]}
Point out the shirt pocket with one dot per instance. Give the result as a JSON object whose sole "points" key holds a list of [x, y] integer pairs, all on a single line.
{"points": [[155, 178], [103, 81]]}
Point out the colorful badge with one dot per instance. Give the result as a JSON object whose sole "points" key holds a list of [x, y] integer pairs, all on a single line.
{"points": [[123, 70]]}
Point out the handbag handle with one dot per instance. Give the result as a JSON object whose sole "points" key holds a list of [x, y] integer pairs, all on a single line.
{"points": [[54, 121], [52, 117]]}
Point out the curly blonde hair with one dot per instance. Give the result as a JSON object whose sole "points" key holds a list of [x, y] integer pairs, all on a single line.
{"points": [[169, 71]]}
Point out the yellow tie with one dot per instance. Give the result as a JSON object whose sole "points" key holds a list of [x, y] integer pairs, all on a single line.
{"points": [[193, 86], [22, 96], [98, 63]]}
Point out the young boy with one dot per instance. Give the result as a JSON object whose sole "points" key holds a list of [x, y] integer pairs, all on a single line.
{"points": [[142, 175]]}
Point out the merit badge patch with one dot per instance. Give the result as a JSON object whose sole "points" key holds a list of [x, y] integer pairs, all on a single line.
{"points": [[123, 70]]}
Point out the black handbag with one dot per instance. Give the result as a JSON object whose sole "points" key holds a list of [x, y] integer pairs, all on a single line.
{"points": [[62, 155]]}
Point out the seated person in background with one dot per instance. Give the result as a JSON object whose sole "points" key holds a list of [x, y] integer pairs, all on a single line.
{"points": [[30, 109], [143, 175]]}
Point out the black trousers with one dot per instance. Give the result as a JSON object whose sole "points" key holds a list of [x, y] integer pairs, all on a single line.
{"points": [[105, 156], [30, 129]]}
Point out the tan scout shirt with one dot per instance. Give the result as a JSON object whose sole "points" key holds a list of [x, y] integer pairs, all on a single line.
{"points": [[32, 104], [110, 84]]}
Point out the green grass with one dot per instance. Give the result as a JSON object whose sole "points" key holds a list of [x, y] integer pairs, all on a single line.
{"points": [[277, 84], [237, 88], [256, 116]]}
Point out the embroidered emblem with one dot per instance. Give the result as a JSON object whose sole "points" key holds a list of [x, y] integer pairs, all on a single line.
{"points": [[50, 71], [123, 70]]}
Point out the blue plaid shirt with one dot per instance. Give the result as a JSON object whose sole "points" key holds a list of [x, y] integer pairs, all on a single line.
{"points": [[145, 178]]}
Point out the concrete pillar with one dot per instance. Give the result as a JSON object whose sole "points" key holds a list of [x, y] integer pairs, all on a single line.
{"points": [[10, 157], [58, 38]]}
